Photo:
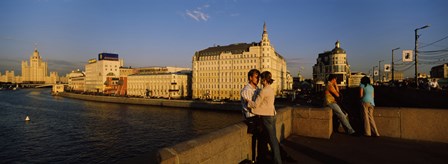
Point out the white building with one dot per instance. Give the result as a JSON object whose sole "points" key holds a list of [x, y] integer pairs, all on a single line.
{"points": [[332, 62], [97, 71], [220, 72]]}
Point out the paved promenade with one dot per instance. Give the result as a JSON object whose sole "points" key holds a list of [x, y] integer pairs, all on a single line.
{"points": [[343, 148]]}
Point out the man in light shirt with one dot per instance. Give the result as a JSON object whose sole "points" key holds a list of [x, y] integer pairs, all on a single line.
{"points": [[254, 126]]}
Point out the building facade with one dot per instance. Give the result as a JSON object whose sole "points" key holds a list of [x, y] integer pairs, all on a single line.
{"points": [[332, 62], [355, 79], [9, 77], [220, 72], [35, 71], [160, 85], [97, 71], [398, 75], [76, 81], [440, 71]]}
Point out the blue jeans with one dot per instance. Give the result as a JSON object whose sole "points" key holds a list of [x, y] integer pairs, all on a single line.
{"points": [[269, 124], [337, 110]]}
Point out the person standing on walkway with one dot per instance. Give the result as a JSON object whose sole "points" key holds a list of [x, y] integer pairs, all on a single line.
{"points": [[264, 107], [331, 94], [366, 92], [254, 125]]}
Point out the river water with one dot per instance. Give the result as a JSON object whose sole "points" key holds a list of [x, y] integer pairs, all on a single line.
{"points": [[63, 130]]}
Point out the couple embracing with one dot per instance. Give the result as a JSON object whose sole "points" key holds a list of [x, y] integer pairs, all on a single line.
{"points": [[260, 114]]}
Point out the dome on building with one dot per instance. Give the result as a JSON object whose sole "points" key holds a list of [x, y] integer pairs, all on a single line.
{"points": [[337, 49]]}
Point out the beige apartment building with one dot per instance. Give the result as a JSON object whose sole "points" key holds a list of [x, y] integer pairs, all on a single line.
{"points": [[160, 85], [9, 77], [220, 72], [76, 81]]}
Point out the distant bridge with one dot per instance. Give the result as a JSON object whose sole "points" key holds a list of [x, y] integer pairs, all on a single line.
{"points": [[36, 85], [44, 86]]}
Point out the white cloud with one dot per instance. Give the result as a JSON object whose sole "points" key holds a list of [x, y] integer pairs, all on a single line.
{"points": [[198, 14]]}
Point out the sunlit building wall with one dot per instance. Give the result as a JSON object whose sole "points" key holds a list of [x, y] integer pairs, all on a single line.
{"points": [[160, 85], [220, 72], [97, 71], [36, 70], [76, 81], [9, 77]]}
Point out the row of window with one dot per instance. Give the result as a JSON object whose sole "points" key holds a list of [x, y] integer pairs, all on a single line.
{"points": [[222, 86], [217, 57], [224, 80], [209, 74]]}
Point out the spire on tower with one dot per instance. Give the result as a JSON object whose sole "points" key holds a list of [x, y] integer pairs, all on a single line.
{"points": [[264, 28]]}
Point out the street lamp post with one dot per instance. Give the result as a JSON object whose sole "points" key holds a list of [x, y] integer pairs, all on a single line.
{"points": [[379, 71], [373, 73], [393, 73], [416, 53]]}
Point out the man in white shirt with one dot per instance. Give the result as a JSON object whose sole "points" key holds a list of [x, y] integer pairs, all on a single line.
{"points": [[250, 92], [254, 126]]}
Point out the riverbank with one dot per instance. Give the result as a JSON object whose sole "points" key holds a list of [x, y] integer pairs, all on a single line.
{"points": [[194, 104]]}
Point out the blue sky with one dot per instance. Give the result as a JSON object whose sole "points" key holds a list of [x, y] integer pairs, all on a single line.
{"points": [[168, 32]]}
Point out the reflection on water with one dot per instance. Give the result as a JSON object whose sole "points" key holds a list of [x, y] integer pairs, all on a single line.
{"points": [[65, 130]]}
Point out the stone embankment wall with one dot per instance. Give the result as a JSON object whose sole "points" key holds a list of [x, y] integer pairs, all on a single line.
{"points": [[232, 144], [157, 102], [229, 145], [413, 123]]}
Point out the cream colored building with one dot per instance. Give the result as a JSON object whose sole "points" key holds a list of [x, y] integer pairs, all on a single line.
{"points": [[76, 81], [159, 85], [97, 71], [158, 69], [125, 71], [9, 77], [36, 70], [289, 81], [332, 62], [355, 79], [220, 72]]}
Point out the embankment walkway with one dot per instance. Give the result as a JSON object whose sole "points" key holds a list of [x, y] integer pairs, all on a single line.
{"points": [[341, 148]]}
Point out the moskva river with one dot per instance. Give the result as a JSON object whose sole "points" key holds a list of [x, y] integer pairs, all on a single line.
{"points": [[63, 130]]}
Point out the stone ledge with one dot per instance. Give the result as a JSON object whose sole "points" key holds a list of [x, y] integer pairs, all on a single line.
{"points": [[229, 145], [312, 122]]}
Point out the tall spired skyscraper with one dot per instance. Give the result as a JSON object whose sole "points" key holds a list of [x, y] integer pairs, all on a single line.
{"points": [[36, 71]]}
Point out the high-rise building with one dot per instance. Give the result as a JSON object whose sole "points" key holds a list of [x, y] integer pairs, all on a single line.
{"points": [[97, 71], [36, 71], [220, 72], [332, 62]]}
